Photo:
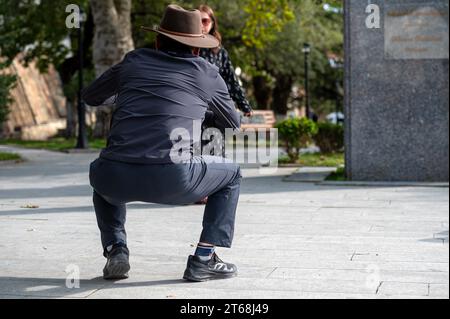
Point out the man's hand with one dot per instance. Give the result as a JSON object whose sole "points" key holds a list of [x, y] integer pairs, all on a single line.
{"points": [[248, 114]]}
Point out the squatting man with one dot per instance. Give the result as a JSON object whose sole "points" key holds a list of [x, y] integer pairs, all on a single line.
{"points": [[158, 92]]}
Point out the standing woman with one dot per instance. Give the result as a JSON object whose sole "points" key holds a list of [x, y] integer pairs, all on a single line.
{"points": [[219, 57]]}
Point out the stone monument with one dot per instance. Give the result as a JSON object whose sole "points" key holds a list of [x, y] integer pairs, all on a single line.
{"points": [[397, 90]]}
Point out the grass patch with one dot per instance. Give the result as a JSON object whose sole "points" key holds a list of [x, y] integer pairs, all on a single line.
{"points": [[338, 176], [9, 157], [317, 160], [55, 144]]}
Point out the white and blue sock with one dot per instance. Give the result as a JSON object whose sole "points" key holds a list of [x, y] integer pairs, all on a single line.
{"points": [[204, 253]]}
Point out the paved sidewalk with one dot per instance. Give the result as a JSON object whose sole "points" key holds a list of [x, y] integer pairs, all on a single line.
{"points": [[293, 240]]}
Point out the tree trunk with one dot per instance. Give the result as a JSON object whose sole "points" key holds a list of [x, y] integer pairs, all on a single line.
{"points": [[281, 94], [262, 92], [112, 40], [2, 131], [71, 120]]}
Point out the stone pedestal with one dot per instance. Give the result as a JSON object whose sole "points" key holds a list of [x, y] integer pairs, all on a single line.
{"points": [[397, 90]]}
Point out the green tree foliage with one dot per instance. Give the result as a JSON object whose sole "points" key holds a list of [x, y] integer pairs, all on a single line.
{"points": [[266, 18], [281, 60], [37, 29]]}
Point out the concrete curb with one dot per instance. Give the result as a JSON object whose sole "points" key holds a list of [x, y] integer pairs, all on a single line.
{"points": [[384, 184], [310, 174], [317, 175], [11, 162], [81, 151]]}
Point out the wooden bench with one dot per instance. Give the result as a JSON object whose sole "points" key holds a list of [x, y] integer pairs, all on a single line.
{"points": [[260, 119]]}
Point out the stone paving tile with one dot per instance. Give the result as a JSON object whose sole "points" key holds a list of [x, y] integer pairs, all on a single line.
{"points": [[404, 288], [292, 240]]}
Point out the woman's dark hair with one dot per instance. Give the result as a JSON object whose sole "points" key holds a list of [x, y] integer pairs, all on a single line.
{"points": [[215, 28], [166, 43]]}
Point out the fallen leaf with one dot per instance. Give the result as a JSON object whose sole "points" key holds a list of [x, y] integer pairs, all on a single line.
{"points": [[29, 206]]}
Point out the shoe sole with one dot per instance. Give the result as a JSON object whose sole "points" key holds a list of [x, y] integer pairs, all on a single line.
{"points": [[117, 271], [209, 278]]}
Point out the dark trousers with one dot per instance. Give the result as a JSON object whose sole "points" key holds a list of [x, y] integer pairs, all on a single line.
{"points": [[116, 184]]}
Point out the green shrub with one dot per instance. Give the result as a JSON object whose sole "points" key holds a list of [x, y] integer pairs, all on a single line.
{"points": [[330, 137], [295, 134], [339, 175]]}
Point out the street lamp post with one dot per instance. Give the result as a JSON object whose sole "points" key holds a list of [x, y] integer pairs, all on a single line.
{"points": [[337, 101], [307, 50], [82, 142], [335, 64]]}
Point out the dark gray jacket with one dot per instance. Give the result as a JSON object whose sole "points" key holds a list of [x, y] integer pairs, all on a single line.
{"points": [[158, 92]]}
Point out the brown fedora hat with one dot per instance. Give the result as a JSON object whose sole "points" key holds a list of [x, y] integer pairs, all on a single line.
{"points": [[184, 26]]}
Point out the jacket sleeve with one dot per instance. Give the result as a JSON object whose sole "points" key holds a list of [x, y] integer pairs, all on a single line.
{"points": [[104, 88], [221, 104], [236, 92]]}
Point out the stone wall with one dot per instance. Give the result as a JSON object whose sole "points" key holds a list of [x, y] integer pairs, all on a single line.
{"points": [[38, 110]]}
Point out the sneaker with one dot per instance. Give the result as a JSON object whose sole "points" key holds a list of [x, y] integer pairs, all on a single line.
{"points": [[215, 268], [117, 266]]}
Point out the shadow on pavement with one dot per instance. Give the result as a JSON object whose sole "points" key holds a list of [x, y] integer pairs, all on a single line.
{"points": [[54, 287], [80, 209], [250, 185]]}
